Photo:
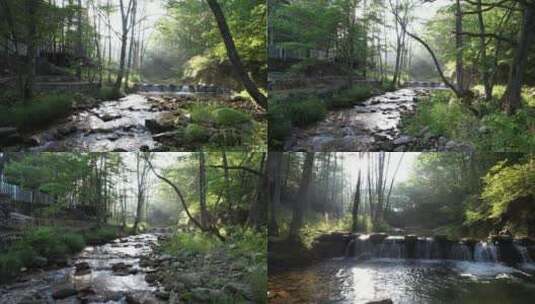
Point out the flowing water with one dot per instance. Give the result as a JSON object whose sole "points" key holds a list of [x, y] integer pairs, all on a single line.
{"points": [[404, 281], [101, 284], [113, 125], [365, 127]]}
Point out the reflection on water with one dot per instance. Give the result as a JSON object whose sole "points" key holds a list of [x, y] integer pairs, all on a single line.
{"points": [[403, 281]]}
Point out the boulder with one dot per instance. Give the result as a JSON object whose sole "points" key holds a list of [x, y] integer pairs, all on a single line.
{"points": [[81, 269], [64, 293], [385, 301], [156, 126]]}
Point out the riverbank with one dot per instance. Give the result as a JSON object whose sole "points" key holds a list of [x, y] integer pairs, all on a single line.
{"points": [[195, 268]]}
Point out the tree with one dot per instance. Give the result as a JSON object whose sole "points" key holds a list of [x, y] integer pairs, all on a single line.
{"points": [[142, 170], [356, 203], [234, 57], [126, 26], [302, 197]]}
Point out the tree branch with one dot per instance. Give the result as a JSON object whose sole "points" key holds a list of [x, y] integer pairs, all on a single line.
{"points": [[492, 35], [239, 168]]}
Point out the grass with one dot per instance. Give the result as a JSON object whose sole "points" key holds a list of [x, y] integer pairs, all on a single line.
{"points": [[444, 115], [196, 133], [40, 111], [230, 117], [349, 97], [190, 243], [108, 93]]}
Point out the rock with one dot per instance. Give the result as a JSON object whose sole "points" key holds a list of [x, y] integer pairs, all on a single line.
{"points": [[121, 269], [386, 301], [64, 293], [163, 295], [82, 268], [151, 278], [67, 130], [403, 140], [377, 237], [155, 126], [109, 117], [451, 145], [39, 261]]}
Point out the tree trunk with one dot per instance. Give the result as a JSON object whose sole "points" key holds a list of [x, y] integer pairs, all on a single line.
{"points": [[302, 197], [274, 163], [202, 190], [234, 57], [124, 41], [356, 203], [29, 66], [258, 209], [459, 44], [132, 41], [511, 100], [79, 47], [484, 68]]}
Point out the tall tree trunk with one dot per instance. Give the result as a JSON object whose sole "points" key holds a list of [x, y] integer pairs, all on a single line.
{"points": [[459, 44], [274, 165], [202, 190], [258, 209], [29, 70], [234, 57], [356, 203], [484, 65], [124, 41], [132, 42], [511, 100], [302, 197], [79, 47]]}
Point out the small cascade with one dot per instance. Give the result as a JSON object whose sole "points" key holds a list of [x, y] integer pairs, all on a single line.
{"points": [[392, 247], [460, 252], [523, 253], [424, 248], [485, 252]]}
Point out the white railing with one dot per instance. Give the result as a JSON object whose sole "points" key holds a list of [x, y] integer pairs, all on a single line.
{"points": [[18, 194]]}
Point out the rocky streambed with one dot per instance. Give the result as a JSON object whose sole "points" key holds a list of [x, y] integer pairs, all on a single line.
{"points": [[136, 122], [110, 273], [373, 125]]}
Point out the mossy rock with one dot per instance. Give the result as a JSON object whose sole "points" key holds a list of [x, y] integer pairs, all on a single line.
{"points": [[230, 117], [196, 133]]}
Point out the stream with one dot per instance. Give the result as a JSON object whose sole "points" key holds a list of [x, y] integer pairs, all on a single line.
{"points": [[112, 126], [109, 273], [420, 281], [370, 126]]}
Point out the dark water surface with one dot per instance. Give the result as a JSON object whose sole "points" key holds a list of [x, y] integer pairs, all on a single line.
{"points": [[404, 281]]}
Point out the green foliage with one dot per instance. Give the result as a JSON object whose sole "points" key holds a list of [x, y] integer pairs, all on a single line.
{"points": [[507, 184], [100, 235], [509, 133], [108, 93], [10, 265], [45, 241], [41, 111], [196, 133], [201, 113], [305, 112], [190, 243], [349, 97], [230, 117], [74, 242]]}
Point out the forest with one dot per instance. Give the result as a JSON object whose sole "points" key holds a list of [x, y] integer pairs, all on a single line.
{"points": [[395, 221], [132, 75], [127, 227], [401, 75]]}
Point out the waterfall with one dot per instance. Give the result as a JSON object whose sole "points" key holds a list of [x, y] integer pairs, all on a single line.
{"points": [[460, 252], [424, 248], [485, 252], [392, 247], [524, 253]]}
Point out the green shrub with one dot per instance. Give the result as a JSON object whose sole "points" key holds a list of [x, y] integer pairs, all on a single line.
{"points": [[388, 86], [196, 133], [74, 242], [305, 112], [508, 133], [108, 93], [350, 97], [230, 117], [201, 113], [42, 110], [100, 235], [191, 243], [10, 265]]}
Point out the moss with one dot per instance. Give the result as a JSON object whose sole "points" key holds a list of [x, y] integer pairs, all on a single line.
{"points": [[196, 133], [230, 117]]}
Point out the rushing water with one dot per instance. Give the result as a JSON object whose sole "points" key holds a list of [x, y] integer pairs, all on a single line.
{"points": [[365, 127], [403, 281], [102, 284], [111, 126]]}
